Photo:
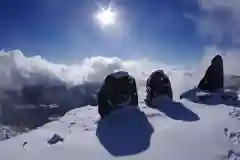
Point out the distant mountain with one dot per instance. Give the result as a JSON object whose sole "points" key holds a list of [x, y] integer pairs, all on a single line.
{"points": [[36, 105]]}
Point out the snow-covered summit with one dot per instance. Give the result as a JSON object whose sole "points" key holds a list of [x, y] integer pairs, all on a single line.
{"points": [[198, 132]]}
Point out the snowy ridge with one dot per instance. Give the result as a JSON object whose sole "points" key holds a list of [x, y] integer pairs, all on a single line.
{"points": [[135, 134]]}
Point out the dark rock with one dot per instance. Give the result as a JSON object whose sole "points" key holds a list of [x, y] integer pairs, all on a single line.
{"points": [[24, 144], [213, 78], [55, 139], [72, 123], [119, 89], [158, 83]]}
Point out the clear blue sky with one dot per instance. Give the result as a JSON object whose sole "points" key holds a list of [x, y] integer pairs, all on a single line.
{"points": [[64, 30]]}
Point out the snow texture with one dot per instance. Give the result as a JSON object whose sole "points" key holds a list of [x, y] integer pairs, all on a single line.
{"points": [[199, 132]]}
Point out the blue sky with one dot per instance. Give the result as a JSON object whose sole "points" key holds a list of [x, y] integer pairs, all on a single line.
{"points": [[65, 30]]}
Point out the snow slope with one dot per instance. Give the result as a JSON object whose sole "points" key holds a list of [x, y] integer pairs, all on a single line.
{"points": [[175, 130]]}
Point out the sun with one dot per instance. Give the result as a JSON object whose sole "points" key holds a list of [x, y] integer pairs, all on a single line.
{"points": [[106, 17]]}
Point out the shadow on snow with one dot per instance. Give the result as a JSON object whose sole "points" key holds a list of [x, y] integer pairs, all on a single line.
{"points": [[175, 110], [229, 98], [125, 132]]}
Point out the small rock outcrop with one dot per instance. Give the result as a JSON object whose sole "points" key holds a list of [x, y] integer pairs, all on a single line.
{"points": [[55, 139]]}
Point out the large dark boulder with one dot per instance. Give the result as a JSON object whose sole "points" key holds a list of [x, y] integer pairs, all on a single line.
{"points": [[157, 84], [213, 79], [118, 90]]}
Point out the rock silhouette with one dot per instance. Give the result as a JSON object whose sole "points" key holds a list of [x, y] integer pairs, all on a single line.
{"points": [[119, 89], [213, 78], [158, 83]]}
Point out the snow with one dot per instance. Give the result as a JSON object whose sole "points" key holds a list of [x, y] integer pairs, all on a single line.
{"points": [[198, 132]]}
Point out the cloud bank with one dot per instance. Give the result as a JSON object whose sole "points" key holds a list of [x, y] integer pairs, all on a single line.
{"points": [[219, 21], [17, 70]]}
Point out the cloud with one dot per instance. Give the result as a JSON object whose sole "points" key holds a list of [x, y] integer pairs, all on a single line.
{"points": [[17, 70], [231, 58], [219, 20]]}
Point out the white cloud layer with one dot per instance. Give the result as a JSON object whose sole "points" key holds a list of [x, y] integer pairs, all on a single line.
{"points": [[17, 70], [220, 20]]}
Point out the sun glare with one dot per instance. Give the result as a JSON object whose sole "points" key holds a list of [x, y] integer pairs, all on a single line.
{"points": [[106, 17]]}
